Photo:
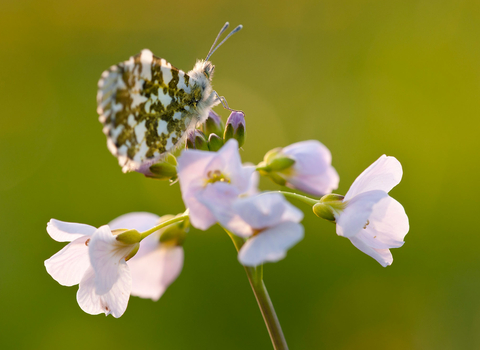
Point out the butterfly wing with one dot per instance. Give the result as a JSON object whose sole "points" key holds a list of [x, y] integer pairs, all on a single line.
{"points": [[146, 106]]}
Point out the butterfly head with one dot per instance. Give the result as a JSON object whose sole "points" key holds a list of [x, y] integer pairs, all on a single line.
{"points": [[207, 69]]}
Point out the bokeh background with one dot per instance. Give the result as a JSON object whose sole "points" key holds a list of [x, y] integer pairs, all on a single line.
{"points": [[363, 77]]}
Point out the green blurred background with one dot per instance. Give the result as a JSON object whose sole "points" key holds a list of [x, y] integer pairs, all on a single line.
{"points": [[363, 77]]}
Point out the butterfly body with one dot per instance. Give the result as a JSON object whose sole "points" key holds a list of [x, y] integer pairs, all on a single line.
{"points": [[146, 106]]}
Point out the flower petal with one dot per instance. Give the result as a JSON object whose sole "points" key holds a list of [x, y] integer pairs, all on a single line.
{"points": [[254, 180], [219, 198], [388, 225], [200, 216], [140, 221], [107, 258], [154, 272], [311, 156], [316, 185], [194, 173], [68, 266], [62, 231], [271, 244], [312, 172], [266, 210], [357, 212], [384, 174], [114, 302], [239, 175], [191, 174], [191, 168], [383, 256]]}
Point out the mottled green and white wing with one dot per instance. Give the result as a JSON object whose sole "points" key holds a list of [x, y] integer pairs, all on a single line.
{"points": [[146, 106]]}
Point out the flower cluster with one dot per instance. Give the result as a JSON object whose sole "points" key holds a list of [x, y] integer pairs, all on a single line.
{"points": [[141, 254]]}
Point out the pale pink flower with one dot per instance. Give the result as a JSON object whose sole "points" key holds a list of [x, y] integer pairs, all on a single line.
{"points": [[371, 219], [156, 265], [274, 226], [211, 182], [95, 260], [312, 171], [105, 287]]}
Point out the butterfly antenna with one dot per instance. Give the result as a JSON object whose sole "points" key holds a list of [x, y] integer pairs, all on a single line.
{"points": [[212, 50], [224, 28]]}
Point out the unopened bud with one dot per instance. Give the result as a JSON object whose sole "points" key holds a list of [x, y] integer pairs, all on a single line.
{"points": [[214, 142], [328, 206], [213, 124], [196, 140], [166, 169], [235, 128]]}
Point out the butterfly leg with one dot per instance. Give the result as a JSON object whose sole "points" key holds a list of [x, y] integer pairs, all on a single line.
{"points": [[224, 102]]}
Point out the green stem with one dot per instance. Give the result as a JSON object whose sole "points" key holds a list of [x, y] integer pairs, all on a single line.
{"points": [[304, 199], [255, 277], [163, 224]]}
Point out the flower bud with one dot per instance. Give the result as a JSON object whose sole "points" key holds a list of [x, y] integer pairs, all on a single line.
{"points": [[196, 140], [213, 124], [329, 206], [166, 169], [235, 128], [214, 142], [127, 236], [175, 233]]}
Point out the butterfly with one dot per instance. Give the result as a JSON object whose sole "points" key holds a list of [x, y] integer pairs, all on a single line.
{"points": [[147, 106]]}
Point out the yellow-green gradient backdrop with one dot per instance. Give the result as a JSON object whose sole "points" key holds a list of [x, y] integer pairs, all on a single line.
{"points": [[363, 77]]}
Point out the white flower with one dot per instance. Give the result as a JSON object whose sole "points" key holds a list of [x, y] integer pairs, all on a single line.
{"points": [[95, 260], [371, 219], [211, 182], [106, 285], [69, 265], [156, 265], [274, 226], [312, 171]]}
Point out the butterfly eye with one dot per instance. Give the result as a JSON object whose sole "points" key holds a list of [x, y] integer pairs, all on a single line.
{"points": [[208, 70]]}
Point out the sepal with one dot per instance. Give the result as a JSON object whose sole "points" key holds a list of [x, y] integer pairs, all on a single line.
{"points": [[329, 207], [214, 142], [127, 236], [165, 170]]}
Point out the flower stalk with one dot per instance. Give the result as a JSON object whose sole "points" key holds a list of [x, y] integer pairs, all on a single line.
{"points": [[164, 224], [304, 199], [255, 277]]}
